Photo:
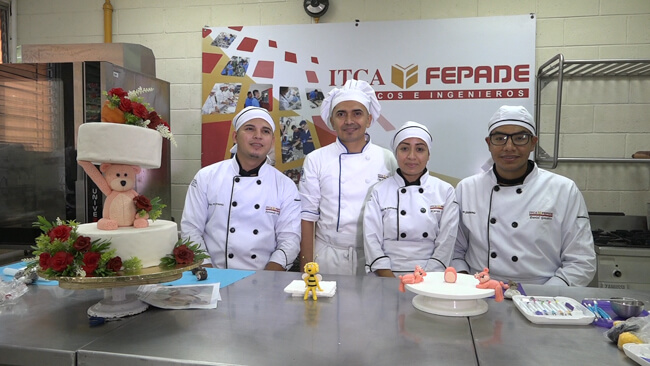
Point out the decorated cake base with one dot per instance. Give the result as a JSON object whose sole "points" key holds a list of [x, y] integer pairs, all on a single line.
{"points": [[460, 298], [139, 146], [147, 244]]}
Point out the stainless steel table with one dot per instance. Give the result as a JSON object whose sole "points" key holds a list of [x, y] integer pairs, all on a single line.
{"points": [[503, 336], [48, 325], [367, 322]]}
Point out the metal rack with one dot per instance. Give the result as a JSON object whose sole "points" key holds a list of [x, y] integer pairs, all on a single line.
{"points": [[557, 69]]}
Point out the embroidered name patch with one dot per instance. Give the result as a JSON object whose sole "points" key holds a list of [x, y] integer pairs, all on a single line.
{"points": [[272, 210], [436, 208], [381, 177], [540, 215]]}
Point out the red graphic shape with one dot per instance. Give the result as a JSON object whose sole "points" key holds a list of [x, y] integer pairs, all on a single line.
{"points": [[385, 124], [206, 32], [311, 76], [237, 28], [247, 44], [214, 142], [264, 69], [290, 57], [210, 60], [314, 60], [273, 44], [325, 135]]}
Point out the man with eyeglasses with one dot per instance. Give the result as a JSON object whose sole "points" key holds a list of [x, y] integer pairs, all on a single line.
{"points": [[524, 223]]}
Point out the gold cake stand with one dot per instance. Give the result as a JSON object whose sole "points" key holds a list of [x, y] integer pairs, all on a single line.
{"points": [[117, 303]]}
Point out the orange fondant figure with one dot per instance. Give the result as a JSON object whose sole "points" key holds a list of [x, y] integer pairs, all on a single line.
{"points": [[312, 280], [416, 277], [116, 181], [450, 275], [485, 282]]}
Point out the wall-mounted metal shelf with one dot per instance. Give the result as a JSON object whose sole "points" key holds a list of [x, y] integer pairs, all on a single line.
{"points": [[557, 69]]}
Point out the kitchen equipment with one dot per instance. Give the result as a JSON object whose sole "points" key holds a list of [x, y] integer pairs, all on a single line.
{"points": [[539, 310], [627, 308], [622, 245]]}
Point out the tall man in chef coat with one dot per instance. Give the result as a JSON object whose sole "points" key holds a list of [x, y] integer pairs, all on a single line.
{"points": [[524, 223], [243, 211], [336, 180]]}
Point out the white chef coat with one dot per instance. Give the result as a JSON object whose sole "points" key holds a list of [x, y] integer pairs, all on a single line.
{"points": [[408, 226], [334, 186], [244, 222], [536, 232]]}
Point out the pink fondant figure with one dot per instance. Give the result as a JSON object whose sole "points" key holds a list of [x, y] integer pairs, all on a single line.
{"points": [[416, 277], [116, 181], [485, 282], [450, 275]]}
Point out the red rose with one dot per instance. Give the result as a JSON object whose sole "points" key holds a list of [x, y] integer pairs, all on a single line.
{"points": [[140, 110], [118, 92], [43, 260], [60, 261], [82, 244], [142, 203], [114, 264], [126, 105], [60, 232], [183, 255], [90, 262], [154, 120]]}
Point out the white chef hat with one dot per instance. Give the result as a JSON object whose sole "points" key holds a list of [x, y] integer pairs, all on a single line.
{"points": [[356, 90], [512, 115], [412, 129], [250, 113]]}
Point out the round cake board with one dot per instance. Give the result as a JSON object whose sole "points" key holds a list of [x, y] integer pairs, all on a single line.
{"points": [[461, 298], [117, 304]]}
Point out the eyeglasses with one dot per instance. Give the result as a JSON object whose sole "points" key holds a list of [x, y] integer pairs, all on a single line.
{"points": [[518, 139]]}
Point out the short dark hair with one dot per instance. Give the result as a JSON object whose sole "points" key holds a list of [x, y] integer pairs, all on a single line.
{"points": [[293, 126], [303, 122]]}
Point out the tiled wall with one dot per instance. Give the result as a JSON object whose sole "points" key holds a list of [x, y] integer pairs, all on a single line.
{"points": [[580, 29]]}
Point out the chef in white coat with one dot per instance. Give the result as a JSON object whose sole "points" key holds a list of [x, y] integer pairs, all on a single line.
{"points": [[411, 218], [336, 180], [243, 211], [524, 223]]}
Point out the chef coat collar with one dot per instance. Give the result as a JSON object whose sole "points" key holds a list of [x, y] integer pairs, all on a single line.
{"points": [[417, 182], [517, 181], [249, 173], [345, 148]]}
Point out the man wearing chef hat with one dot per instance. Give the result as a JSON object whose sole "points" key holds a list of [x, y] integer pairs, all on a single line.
{"points": [[336, 179], [524, 223], [243, 211], [411, 218]]}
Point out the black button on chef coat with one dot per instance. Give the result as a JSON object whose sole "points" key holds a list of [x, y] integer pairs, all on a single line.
{"points": [[231, 255], [493, 220], [232, 229], [493, 255], [514, 258]]}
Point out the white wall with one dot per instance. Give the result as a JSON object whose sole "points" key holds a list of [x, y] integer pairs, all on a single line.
{"points": [[580, 29]]}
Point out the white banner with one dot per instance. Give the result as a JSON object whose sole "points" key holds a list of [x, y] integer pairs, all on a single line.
{"points": [[449, 74]]}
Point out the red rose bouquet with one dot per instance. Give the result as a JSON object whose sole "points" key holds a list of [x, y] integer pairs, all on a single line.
{"points": [[145, 207], [130, 108], [185, 252], [61, 251]]}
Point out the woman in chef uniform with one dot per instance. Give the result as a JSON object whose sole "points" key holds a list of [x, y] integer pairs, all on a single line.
{"points": [[244, 211], [411, 218], [525, 224], [336, 181]]}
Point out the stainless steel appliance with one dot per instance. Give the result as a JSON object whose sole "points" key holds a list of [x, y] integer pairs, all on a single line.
{"points": [[41, 107], [622, 245]]}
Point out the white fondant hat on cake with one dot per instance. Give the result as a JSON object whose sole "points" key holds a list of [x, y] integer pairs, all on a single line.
{"points": [[512, 115], [412, 129], [356, 90]]}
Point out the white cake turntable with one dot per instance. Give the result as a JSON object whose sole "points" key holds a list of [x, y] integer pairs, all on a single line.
{"points": [[461, 298]]}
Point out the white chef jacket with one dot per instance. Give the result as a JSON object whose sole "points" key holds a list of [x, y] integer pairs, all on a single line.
{"points": [[334, 186], [244, 222], [536, 232], [406, 226]]}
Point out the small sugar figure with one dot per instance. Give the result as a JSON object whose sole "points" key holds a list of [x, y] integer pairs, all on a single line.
{"points": [[513, 289], [485, 282], [450, 275], [416, 277], [312, 280]]}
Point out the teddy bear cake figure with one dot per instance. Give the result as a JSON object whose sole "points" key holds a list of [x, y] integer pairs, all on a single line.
{"points": [[117, 182], [485, 282]]}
